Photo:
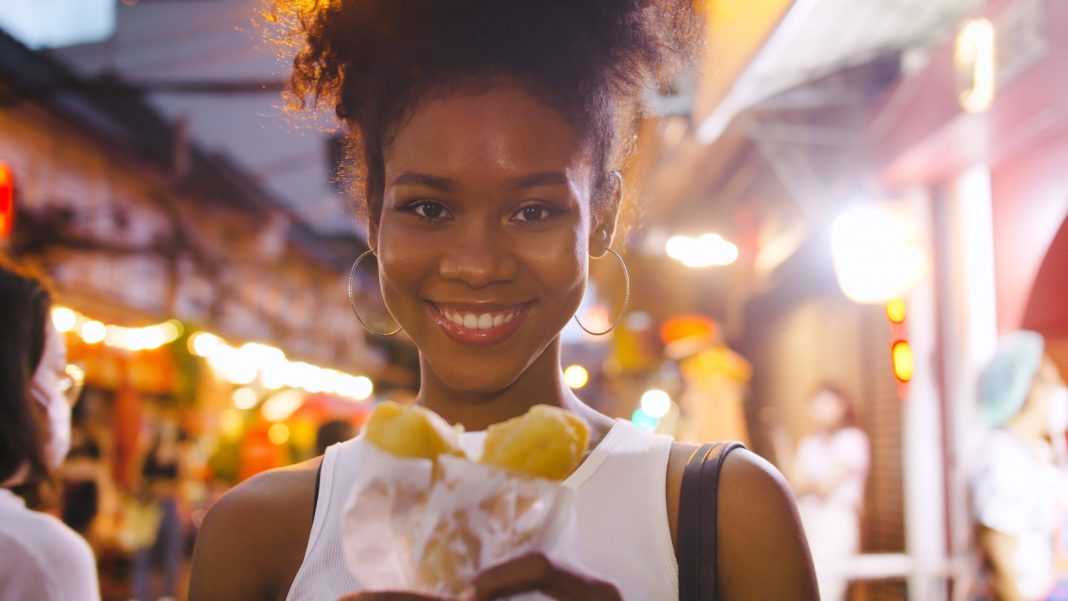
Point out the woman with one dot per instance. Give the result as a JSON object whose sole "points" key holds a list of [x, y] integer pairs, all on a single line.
{"points": [[828, 473], [1014, 481], [43, 559], [487, 135]]}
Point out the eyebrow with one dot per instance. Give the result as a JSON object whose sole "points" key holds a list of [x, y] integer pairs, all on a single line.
{"points": [[413, 178]]}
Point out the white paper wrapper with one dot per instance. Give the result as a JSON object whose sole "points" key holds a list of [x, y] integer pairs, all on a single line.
{"points": [[405, 529]]}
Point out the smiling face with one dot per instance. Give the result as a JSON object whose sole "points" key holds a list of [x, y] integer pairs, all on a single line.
{"points": [[484, 235]]}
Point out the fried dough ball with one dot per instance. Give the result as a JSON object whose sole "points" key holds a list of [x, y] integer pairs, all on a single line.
{"points": [[412, 432], [548, 442]]}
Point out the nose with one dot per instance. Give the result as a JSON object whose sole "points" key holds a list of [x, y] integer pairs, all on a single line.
{"points": [[479, 256]]}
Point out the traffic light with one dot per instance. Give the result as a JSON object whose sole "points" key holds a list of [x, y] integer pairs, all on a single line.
{"points": [[7, 201]]}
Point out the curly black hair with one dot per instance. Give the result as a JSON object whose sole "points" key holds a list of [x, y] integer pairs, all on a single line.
{"points": [[375, 60]]}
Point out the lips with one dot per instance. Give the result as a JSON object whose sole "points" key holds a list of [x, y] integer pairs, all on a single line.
{"points": [[483, 324]]}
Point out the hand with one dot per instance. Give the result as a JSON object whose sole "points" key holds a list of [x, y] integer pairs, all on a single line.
{"points": [[535, 572]]}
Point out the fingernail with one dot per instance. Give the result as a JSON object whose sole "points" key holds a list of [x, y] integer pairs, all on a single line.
{"points": [[468, 595]]}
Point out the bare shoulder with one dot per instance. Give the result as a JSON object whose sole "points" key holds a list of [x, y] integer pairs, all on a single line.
{"points": [[760, 533], [252, 540]]}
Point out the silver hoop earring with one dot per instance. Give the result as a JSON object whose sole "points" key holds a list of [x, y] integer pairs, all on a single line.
{"points": [[352, 300], [626, 299]]}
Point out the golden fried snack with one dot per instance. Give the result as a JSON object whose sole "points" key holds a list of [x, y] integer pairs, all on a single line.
{"points": [[412, 432], [546, 441]]}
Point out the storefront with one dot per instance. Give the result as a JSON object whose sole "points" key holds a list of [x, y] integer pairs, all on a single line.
{"points": [[974, 144]]}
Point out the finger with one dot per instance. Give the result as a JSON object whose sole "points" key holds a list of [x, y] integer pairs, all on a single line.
{"points": [[535, 572]]}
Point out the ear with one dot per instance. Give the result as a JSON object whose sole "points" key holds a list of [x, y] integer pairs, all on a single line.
{"points": [[603, 226]]}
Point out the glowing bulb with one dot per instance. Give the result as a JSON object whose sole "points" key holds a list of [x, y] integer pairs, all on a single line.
{"points": [[273, 379], [245, 398], [901, 357], [975, 56], [878, 254], [278, 434], [93, 332], [231, 425], [896, 311], [281, 406], [64, 319], [707, 250], [576, 376], [357, 388], [202, 344], [171, 329], [656, 403]]}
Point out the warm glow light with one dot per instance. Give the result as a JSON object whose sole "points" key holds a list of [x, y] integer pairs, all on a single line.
{"points": [[202, 344], [975, 56], [878, 254], [245, 398], [64, 319], [278, 434], [254, 361], [576, 376], [901, 355], [262, 354], [231, 424], [358, 387], [656, 403], [707, 250], [896, 311], [281, 406], [93, 332], [232, 365]]}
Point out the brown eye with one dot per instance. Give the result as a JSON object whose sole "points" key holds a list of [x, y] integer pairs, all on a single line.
{"points": [[430, 210], [533, 213]]}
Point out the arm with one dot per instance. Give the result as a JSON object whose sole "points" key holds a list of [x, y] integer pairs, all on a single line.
{"points": [[998, 549], [763, 553], [252, 541]]}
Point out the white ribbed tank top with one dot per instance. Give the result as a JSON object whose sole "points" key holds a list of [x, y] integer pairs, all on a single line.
{"points": [[621, 512]]}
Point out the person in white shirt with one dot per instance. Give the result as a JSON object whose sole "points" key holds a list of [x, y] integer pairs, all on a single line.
{"points": [[43, 559], [1013, 478], [828, 472]]}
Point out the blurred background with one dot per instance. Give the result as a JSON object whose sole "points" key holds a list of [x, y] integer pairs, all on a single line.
{"points": [[836, 211]]}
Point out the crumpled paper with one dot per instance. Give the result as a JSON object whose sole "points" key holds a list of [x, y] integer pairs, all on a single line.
{"points": [[408, 526]]}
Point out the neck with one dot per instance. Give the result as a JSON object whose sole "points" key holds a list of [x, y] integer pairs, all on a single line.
{"points": [[540, 384], [1027, 427]]}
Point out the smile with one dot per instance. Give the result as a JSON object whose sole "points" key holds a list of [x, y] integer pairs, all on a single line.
{"points": [[474, 324]]}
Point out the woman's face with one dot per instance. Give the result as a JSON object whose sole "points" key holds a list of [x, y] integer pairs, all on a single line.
{"points": [[827, 409], [484, 234]]}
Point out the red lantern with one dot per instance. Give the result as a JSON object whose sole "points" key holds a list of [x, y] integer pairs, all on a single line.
{"points": [[7, 201]]}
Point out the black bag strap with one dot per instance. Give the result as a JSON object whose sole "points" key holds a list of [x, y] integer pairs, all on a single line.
{"points": [[697, 536]]}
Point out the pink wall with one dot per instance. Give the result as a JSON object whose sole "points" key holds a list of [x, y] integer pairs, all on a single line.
{"points": [[1030, 205]]}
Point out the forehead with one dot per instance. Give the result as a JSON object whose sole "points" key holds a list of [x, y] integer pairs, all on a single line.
{"points": [[501, 132]]}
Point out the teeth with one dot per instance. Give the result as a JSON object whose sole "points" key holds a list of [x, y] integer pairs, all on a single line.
{"points": [[483, 321]]}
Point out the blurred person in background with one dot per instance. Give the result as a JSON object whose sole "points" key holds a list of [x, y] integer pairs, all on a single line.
{"points": [[162, 470], [1014, 479], [81, 474], [828, 472], [42, 558], [332, 432]]}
